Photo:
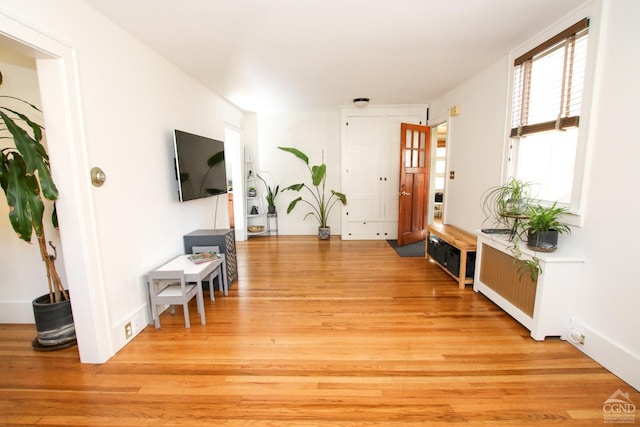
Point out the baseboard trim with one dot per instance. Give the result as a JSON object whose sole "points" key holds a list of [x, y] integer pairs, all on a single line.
{"points": [[139, 320], [609, 354], [16, 312]]}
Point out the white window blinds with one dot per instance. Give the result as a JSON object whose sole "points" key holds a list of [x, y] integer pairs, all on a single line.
{"points": [[548, 82]]}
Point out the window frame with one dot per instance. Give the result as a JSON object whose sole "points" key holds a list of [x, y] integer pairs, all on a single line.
{"points": [[592, 13], [558, 42]]}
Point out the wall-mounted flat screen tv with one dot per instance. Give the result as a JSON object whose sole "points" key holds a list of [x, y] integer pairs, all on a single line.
{"points": [[200, 167]]}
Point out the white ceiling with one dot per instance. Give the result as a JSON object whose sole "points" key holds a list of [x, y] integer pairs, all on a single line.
{"points": [[318, 54]]}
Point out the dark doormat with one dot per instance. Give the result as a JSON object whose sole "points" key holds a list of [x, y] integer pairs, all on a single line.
{"points": [[416, 249]]}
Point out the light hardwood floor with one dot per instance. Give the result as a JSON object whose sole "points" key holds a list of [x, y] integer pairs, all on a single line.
{"points": [[330, 333]]}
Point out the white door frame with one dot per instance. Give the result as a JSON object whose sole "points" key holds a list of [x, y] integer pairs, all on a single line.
{"points": [[233, 147], [59, 83]]}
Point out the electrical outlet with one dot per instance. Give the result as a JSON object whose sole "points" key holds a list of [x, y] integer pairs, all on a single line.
{"points": [[577, 337], [128, 331]]}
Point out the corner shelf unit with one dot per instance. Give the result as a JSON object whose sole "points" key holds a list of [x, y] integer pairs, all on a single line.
{"points": [[254, 200]]}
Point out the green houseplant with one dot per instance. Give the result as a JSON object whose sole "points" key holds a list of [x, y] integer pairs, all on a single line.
{"points": [[543, 225], [25, 178], [272, 193], [505, 203], [511, 206], [320, 204]]}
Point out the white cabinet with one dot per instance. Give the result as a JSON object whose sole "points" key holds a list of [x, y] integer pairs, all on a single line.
{"points": [[543, 306], [371, 169]]}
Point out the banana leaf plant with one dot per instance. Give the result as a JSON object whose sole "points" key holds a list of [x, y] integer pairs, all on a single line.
{"points": [[320, 204], [25, 178]]}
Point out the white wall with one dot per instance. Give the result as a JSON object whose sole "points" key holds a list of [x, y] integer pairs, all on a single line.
{"points": [[312, 133], [131, 99], [608, 298], [607, 305], [20, 285], [475, 142]]}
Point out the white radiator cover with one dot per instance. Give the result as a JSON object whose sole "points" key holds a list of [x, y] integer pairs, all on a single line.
{"points": [[545, 307]]}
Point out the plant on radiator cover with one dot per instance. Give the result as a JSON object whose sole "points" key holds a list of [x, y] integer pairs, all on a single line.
{"points": [[513, 206]]}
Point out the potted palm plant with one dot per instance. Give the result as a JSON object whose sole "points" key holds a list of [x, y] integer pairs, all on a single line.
{"points": [[25, 178], [272, 193], [320, 204]]}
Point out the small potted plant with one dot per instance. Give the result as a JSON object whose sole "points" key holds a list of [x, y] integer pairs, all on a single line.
{"points": [[504, 204], [512, 207], [320, 204], [252, 192], [25, 178], [543, 225], [272, 193]]}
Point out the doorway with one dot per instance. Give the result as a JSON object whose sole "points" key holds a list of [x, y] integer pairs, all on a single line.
{"points": [[415, 152], [59, 86], [233, 149], [438, 178]]}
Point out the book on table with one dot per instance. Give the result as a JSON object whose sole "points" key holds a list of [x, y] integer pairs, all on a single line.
{"points": [[203, 257]]}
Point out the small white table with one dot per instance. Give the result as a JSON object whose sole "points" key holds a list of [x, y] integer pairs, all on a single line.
{"points": [[194, 273], [197, 272]]}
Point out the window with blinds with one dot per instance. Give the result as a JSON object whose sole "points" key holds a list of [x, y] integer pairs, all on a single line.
{"points": [[547, 97]]}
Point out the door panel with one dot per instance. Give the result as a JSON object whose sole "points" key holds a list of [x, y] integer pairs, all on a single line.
{"points": [[370, 174], [365, 135], [415, 142]]}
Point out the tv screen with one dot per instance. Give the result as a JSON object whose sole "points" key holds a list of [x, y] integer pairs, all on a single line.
{"points": [[200, 167]]}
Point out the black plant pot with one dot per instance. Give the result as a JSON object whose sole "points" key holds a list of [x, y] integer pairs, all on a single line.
{"points": [[544, 241], [271, 210], [54, 324]]}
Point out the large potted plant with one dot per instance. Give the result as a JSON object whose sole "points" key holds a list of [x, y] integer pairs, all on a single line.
{"points": [[543, 225], [272, 193], [25, 178], [320, 204]]}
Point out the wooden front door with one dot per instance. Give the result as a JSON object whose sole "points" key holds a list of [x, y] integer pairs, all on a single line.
{"points": [[415, 143]]}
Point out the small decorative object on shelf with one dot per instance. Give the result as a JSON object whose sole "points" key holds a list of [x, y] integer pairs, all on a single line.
{"points": [[256, 228], [252, 192], [254, 210]]}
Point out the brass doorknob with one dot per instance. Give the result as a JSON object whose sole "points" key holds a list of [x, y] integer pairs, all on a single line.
{"points": [[98, 177]]}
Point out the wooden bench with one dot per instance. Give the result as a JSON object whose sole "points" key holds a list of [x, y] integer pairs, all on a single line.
{"points": [[459, 239]]}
